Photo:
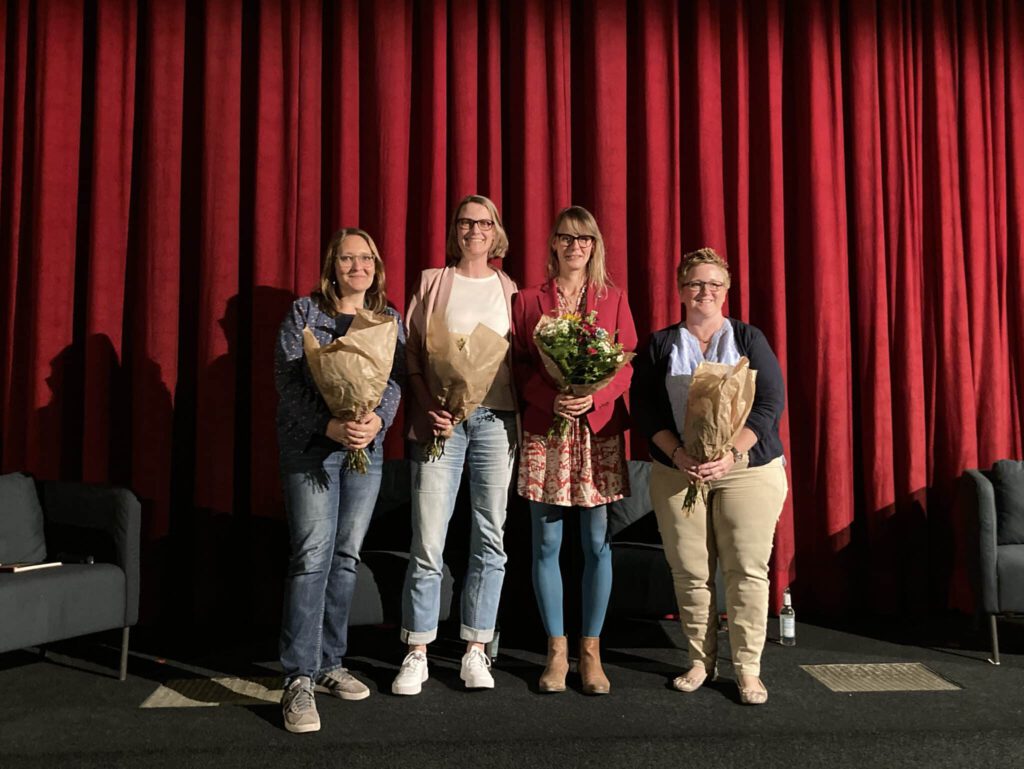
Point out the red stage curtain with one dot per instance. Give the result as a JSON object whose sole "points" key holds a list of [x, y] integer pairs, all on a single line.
{"points": [[170, 172]]}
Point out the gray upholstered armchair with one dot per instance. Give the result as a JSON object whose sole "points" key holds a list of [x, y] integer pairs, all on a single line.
{"points": [[996, 497], [53, 520]]}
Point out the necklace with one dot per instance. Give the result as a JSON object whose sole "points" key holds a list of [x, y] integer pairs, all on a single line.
{"points": [[702, 340], [575, 302]]}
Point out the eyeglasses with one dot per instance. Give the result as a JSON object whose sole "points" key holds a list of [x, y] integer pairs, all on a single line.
{"points": [[346, 260], [696, 286], [485, 225], [585, 241]]}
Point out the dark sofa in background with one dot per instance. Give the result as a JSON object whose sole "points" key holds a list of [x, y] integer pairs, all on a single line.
{"points": [[54, 520]]}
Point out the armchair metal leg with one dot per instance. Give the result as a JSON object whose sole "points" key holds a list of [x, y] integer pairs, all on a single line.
{"points": [[995, 639], [124, 653]]}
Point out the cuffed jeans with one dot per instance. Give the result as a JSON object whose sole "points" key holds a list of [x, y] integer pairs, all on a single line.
{"points": [[329, 510], [597, 565], [485, 443], [738, 530]]}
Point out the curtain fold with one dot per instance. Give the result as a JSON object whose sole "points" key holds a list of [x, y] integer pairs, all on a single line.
{"points": [[171, 171]]}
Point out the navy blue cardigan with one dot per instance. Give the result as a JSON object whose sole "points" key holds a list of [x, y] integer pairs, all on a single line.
{"points": [[652, 411]]}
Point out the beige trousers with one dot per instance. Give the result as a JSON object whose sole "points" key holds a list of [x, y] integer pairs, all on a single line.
{"points": [[738, 529]]}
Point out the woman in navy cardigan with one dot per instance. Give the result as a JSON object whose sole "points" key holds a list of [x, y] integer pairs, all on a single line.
{"points": [[747, 484], [578, 475]]}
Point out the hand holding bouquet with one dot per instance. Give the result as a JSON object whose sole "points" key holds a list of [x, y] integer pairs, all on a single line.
{"points": [[719, 402], [580, 356], [352, 372], [461, 371]]}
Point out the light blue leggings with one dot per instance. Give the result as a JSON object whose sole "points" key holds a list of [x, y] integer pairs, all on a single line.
{"points": [[597, 568]]}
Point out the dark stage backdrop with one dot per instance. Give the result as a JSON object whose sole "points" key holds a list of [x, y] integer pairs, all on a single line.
{"points": [[171, 171]]}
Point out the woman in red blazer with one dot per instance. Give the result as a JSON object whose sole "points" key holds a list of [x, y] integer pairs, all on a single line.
{"points": [[583, 472]]}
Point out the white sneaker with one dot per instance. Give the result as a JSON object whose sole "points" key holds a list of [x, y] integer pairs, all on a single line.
{"points": [[411, 675], [476, 670]]}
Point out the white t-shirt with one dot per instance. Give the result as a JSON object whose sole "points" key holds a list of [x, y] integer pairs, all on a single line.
{"points": [[481, 300], [477, 300]]}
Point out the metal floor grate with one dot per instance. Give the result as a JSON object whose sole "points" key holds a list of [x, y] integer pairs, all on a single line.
{"points": [[884, 677]]}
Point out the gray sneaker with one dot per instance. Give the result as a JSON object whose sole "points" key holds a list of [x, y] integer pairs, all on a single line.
{"points": [[299, 708], [341, 683]]}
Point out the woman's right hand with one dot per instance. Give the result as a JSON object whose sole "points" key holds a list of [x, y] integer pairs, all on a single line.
{"points": [[441, 421], [337, 431], [571, 407], [684, 463]]}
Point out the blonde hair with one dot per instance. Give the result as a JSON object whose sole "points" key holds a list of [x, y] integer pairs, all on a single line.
{"points": [[327, 296], [585, 224], [698, 257], [500, 247]]}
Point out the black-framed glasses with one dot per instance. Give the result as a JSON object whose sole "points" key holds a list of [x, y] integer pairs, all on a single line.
{"points": [[485, 225], [585, 241], [696, 286]]}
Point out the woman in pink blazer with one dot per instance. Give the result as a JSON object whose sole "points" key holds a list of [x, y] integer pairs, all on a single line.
{"points": [[576, 476]]}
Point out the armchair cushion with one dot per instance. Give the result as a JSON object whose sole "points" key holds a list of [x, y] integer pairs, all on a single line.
{"points": [[1007, 478], [1010, 574], [21, 520]]}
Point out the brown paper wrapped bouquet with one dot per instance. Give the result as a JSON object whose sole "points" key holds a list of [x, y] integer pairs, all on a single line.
{"points": [[352, 372], [460, 372], [719, 402]]}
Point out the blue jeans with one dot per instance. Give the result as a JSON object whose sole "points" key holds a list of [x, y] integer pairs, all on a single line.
{"points": [[329, 511], [486, 444], [597, 565]]}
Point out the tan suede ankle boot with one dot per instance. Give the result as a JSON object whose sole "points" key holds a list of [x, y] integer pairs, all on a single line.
{"points": [[594, 679], [553, 677]]}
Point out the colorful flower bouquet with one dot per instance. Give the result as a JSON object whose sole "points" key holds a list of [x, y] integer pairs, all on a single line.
{"points": [[579, 355]]}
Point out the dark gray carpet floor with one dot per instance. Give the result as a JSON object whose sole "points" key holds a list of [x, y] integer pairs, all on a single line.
{"points": [[67, 710]]}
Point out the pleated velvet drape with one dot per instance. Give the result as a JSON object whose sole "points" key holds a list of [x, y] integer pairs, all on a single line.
{"points": [[170, 172]]}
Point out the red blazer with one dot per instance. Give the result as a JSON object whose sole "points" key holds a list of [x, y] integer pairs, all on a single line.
{"points": [[536, 389]]}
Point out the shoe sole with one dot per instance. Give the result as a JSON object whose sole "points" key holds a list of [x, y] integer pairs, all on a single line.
{"points": [[302, 728], [484, 685], [352, 696], [342, 694], [411, 689]]}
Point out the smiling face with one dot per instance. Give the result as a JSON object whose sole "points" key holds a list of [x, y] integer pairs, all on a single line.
{"points": [[354, 266], [572, 251], [703, 289], [475, 230]]}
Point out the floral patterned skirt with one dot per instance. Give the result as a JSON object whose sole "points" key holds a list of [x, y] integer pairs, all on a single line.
{"points": [[579, 470]]}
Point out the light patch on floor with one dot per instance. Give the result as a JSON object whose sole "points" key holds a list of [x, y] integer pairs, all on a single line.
{"points": [[209, 692], [884, 677]]}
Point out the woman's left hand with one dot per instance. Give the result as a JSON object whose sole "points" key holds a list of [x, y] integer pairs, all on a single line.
{"points": [[571, 407], [712, 471], [361, 433]]}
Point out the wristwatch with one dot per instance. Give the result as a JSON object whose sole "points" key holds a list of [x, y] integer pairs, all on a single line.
{"points": [[737, 455]]}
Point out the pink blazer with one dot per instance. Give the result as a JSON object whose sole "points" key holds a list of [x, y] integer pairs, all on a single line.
{"points": [[535, 388]]}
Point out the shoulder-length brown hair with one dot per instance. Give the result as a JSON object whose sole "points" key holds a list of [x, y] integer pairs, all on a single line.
{"points": [[327, 296], [500, 247], [585, 224]]}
